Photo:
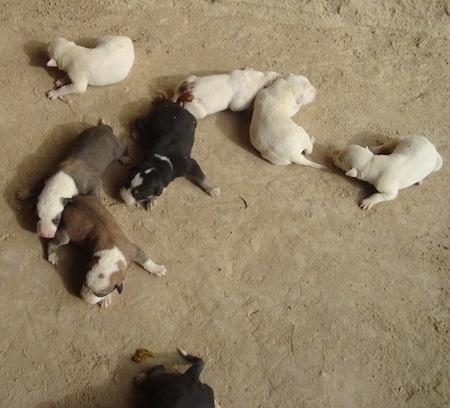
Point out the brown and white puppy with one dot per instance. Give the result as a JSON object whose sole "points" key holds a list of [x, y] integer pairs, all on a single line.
{"points": [[108, 63], [235, 90], [397, 164], [272, 131], [94, 150], [172, 390], [87, 223]]}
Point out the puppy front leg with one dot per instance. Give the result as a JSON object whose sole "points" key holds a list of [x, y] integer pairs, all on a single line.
{"points": [[79, 86], [65, 80], [34, 191], [142, 259], [369, 202], [197, 174], [61, 238]]}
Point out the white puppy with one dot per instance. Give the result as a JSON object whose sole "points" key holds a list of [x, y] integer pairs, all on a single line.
{"points": [[397, 164], [236, 90], [109, 62], [272, 131]]}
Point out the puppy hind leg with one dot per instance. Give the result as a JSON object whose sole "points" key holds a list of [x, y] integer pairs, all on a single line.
{"points": [[142, 259], [308, 150], [65, 80], [197, 174], [197, 367], [61, 238]]}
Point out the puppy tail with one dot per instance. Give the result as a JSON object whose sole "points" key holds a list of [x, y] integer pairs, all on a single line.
{"points": [[197, 367], [306, 162]]}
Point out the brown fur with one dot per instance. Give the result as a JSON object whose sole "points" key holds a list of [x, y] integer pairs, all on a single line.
{"points": [[91, 226]]}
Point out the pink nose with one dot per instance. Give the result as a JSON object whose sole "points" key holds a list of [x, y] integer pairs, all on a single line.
{"points": [[45, 232]]}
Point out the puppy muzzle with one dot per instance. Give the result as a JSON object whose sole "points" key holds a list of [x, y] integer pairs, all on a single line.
{"points": [[46, 231], [127, 197], [89, 297]]}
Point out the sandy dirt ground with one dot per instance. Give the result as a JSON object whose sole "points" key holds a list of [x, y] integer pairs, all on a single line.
{"points": [[293, 295]]}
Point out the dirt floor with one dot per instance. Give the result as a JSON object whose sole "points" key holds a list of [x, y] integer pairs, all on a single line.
{"points": [[293, 295]]}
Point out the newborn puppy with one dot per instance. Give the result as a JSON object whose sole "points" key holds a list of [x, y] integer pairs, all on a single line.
{"points": [[236, 90], [94, 150], [170, 130], [272, 131], [87, 223], [109, 62], [166, 390], [397, 164]]}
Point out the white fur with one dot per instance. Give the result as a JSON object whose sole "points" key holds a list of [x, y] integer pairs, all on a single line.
{"points": [[214, 93], [108, 63], [154, 268], [272, 131], [50, 204], [126, 194], [137, 179], [127, 197], [401, 163], [164, 158], [107, 264]]}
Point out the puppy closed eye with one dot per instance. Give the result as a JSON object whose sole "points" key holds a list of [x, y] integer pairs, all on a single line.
{"points": [[56, 221]]}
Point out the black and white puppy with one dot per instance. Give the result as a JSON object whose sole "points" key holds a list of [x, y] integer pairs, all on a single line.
{"points": [[170, 130], [171, 390]]}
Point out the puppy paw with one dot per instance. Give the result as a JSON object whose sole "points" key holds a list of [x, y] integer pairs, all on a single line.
{"points": [[125, 160], [135, 135], [140, 378], [154, 268], [214, 192], [52, 94], [105, 302], [59, 83], [53, 258], [23, 194], [366, 204], [150, 204]]}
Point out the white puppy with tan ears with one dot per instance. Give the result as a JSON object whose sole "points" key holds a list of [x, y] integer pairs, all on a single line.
{"points": [[397, 164], [108, 63], [236, 90], [272, 131]]}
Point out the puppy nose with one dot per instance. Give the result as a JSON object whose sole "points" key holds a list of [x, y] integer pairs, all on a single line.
{"points": [[45, 232]]}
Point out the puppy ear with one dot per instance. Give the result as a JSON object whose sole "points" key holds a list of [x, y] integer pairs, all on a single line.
{"points": [[52, 63], [119, 287], [66, 201], [353, 172]]}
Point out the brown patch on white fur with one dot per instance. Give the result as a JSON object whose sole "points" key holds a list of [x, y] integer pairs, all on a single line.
{"points": [[90, 225]]}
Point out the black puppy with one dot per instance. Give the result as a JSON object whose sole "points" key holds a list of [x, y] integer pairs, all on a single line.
{"points": [[167, 390], [170, 130]]}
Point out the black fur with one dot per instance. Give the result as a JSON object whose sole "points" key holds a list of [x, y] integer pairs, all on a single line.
{"points": [[169, 130], [168, 390]]}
